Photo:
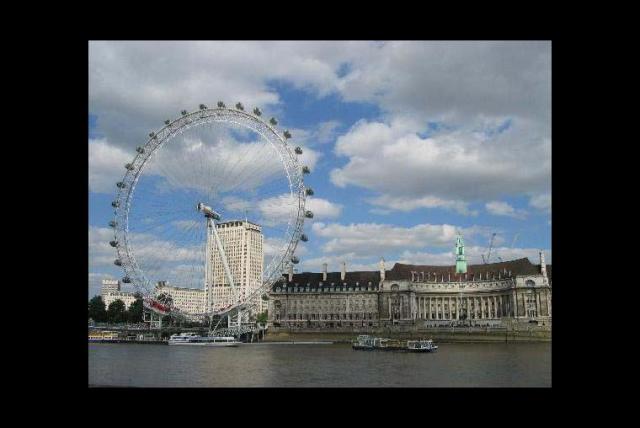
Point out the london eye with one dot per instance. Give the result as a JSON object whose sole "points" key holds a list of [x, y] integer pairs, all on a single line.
{"points": [[204, 168]]}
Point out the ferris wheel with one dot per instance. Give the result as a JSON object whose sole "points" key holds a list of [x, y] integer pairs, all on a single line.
{"points": [[202, 171]]}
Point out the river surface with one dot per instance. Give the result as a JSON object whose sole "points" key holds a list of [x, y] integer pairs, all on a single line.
{"points": [[320, 365]]}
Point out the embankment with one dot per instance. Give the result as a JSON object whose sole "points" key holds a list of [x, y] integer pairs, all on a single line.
{"points": [[437, 336]]}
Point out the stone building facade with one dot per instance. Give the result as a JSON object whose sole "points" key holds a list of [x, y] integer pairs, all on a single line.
{"points": [[111, 291], [189, 301], [425, 296]]}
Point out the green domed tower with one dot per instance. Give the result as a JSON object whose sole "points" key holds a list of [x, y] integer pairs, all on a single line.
{"points": [[461, 260]]}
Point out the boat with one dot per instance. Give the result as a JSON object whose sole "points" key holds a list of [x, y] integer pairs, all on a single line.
{"points": [[196, 340], [369, 343], [363, 343], [103, 336], [421, 346]]}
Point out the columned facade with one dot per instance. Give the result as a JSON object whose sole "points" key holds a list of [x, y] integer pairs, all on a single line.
{"points": [[426, 296]]}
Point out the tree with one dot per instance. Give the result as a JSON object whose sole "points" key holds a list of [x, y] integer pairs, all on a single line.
{"points": [[116, 312], [262, 318], [97, 309], [136, 308]]}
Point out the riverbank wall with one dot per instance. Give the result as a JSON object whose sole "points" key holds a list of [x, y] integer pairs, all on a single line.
{"points": [[438, 336]]}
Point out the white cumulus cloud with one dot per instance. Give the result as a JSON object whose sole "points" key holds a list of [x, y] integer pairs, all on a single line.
{"points": [[501, 208]]}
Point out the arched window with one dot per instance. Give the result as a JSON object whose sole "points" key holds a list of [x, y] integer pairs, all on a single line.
{"points": [[530, 283]]}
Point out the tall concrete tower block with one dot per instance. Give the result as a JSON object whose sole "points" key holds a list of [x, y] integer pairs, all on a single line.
{"points": [[461, 259]]}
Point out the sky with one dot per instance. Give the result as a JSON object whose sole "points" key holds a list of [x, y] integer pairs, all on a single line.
{"points": [[408, 143]]}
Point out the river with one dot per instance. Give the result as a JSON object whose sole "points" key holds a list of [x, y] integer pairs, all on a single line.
{"points": [[320, 365]]}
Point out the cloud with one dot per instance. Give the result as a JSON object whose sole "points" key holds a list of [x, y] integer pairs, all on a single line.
{"points": [[106, 165], [405, 204], [501, 208], [453, 80], [164, 77], [156, 257], [278, 209], [323, 209], [372, 239], [438, 79], [485, 105], [354, 262], [541, 202], [474, 256], [448, 169]]}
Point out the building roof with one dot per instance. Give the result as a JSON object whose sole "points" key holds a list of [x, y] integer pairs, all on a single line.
{"points": [[401, 271], [521, 266]]}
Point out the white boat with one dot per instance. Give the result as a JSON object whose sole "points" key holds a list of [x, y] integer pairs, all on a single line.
{"points": [[195, 340], [421, 346]]}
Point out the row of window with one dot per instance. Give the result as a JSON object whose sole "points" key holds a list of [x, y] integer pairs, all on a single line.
{"points": [[315, 317]]}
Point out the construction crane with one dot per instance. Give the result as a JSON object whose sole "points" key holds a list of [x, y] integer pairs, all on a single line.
{"points": [[486, 260], [514, 239]]}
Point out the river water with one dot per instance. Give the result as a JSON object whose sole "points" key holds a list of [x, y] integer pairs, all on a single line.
{"points": [[321, 365]]}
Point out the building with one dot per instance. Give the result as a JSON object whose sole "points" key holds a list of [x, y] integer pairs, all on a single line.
{"points": [[243, 246], [186, 300], [110, 292], [109, 286], [493, 294]]}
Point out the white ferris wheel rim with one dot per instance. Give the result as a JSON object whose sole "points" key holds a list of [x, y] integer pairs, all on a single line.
{"points": [[126, 187]]}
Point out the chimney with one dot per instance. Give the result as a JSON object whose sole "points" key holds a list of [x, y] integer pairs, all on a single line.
{"points": [[343, 273], [324, 271], [290, 272], [422, 276], [413, 276], [382, 271]]}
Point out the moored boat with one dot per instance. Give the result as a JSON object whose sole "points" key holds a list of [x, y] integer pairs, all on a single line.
{"points": [[421, 346], [196, 340], [369, 343]]}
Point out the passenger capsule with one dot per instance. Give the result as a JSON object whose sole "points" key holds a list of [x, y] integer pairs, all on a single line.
{"points": [[152, 134], [121, 185], [203, 107], [298, 150], [295, 260], [304, 238], [183, 112], [126, 280], [115, 204], [129, 166], [221, 104], [306, 170], [112, 223], [308, 191], [166, 122], [117, 262], [113, 243], [287, 134], [273, 121], [239, 106], [308, 214], [140, 150], [257, 111]]}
